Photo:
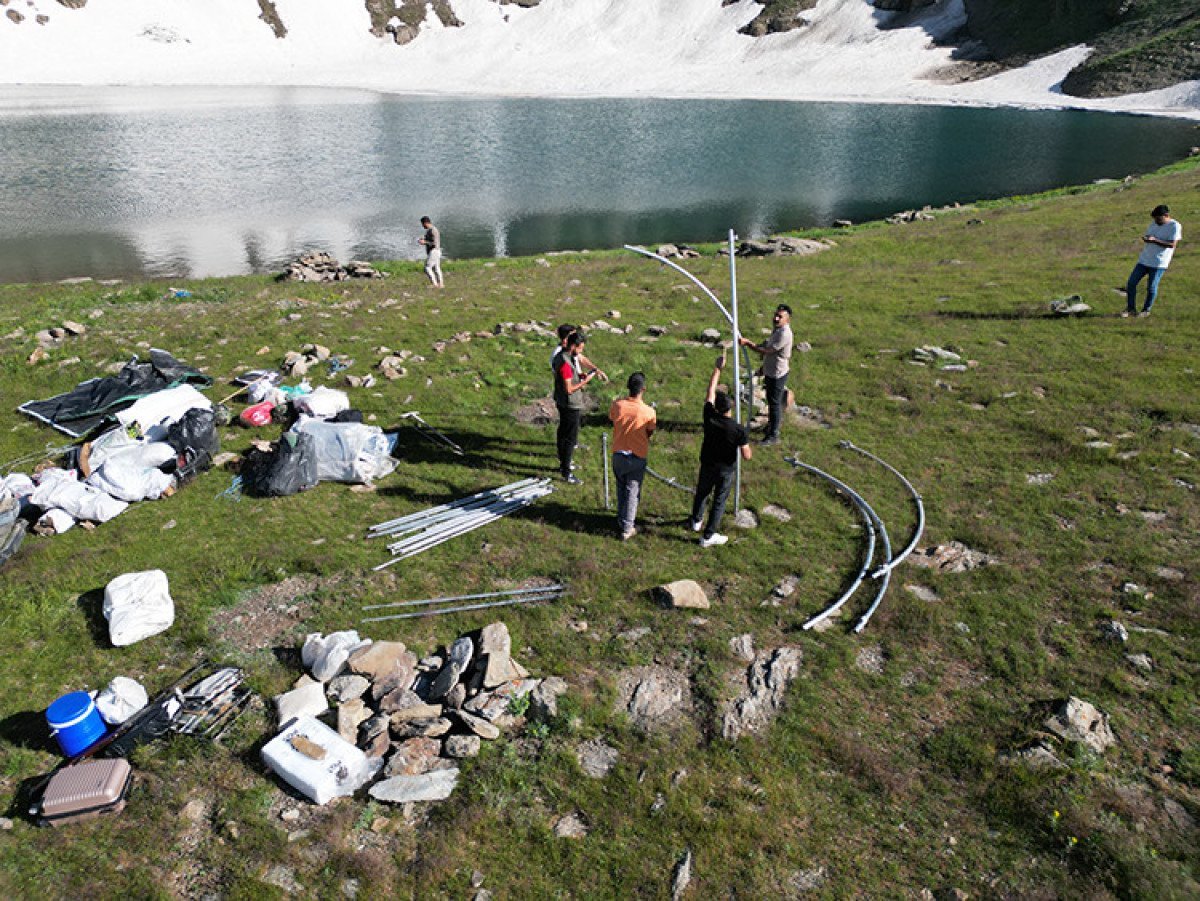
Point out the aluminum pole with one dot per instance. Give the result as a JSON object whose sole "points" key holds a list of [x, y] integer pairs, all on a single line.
{"points": [[441, 610], [737, 372], [604, 466], [543, 589], [699, 284]]}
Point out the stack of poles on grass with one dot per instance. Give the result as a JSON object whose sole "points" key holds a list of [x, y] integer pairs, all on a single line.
{"points": [[513, 596], [435, 525]]}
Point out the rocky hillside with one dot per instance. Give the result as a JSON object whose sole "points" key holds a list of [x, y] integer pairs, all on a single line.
{"points": [[1140, 45]]}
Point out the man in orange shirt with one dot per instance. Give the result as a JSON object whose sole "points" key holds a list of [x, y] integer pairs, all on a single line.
{"points": [[633, 422]]}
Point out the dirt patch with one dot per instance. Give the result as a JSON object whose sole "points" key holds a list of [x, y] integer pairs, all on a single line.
{"points": [[543, 412], [273, 612]]}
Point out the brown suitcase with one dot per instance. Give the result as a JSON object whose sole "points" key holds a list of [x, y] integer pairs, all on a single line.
{"points": [[85, 790]]}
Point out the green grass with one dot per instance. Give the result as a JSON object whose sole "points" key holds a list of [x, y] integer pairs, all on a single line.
{"points": [[892, 783]]}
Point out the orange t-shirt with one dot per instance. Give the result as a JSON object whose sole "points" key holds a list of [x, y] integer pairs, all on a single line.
{"points": [[633, 421]]}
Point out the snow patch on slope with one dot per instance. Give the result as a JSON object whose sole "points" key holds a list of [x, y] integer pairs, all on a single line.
{"points": [[622, 48]]}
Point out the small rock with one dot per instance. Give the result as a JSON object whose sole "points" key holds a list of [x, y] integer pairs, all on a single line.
{"points": [[39, 354], [478, 725], [923, 593], [870, 660], [435, 786], [776, 512], [74, 328], [710, 336], [596, 758], [461, 746], [1077, 720], [168, 525], [807, 880], [194, 811], [345, 688], [1039, 478], [1153, 516], [1141, 662], [290, 815], [1111, 630], [745, 519], [787, 586], [742, 647], [683, 875], [477, 879], [571, 826], [683, 593], [1168, 573]]}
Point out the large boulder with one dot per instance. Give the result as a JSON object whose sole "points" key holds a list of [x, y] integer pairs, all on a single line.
{"points": [[1076, 720], [654, 697]]}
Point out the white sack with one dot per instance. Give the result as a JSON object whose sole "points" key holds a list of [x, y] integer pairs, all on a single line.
{"points": [[117, 444], [129, 480], [342, 771], [138, 605], [348, 451], [59, 488], [121, 699], [56, 521], [154, 413], [325, 656], [323, 402], [19, 485]]}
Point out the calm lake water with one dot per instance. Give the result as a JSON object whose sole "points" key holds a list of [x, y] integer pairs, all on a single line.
{"points": [[119, 182]]}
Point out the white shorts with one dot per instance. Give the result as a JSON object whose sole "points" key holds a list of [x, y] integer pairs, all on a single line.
{"points": [[433, 260]]}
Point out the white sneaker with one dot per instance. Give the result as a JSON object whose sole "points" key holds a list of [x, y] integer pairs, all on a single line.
{"points": [[714, 539], [697, 526]]}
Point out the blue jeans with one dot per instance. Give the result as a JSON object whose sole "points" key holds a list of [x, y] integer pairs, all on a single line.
{"points": [[776, 389], [630, 471], [1140, 271]]}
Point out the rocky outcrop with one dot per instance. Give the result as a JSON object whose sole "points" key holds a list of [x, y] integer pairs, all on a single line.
{"points": [[767, 680], [654, 697], [777, 16]]}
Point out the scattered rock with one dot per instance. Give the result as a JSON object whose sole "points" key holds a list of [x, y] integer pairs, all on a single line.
{"points": [[710, 336], [776, 512], [923, 593], [543, 701], [1141, 662], [346, 688], [1153, 516], [1077, 720], [460, 746], [74, 328], [654, 697], [416, 757], [870, 660], [284, 878], [954, 557], [1039, 478], [39, 354], [1168, 573], [322, 267], [435, 786], [745, 519], [767, 679], [350, 716], [571, 825], [682, 876], [634, 634], [807, 880], [596, 758], [1111, 630], [1037, 756], [194, 811], [742, 647], [683, 593]]}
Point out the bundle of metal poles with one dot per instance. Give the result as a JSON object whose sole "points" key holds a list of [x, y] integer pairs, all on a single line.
{"points": [[431, 527], [513, 596]]}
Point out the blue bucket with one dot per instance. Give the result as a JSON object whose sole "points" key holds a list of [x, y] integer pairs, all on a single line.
{"points": [[75, 722]]}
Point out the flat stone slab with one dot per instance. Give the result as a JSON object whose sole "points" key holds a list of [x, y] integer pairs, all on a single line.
{"points": [[435, 786]]}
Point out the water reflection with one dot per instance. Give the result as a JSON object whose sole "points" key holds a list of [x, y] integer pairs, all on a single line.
{"points": [[209, 182]]}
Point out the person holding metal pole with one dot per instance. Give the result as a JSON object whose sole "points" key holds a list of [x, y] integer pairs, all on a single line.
{"points": [[569, 382], [634, 422], [724, 440], [776, 352]]}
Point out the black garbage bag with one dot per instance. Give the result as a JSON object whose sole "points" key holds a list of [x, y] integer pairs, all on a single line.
{"points": [[289, 468], [195, 440]]}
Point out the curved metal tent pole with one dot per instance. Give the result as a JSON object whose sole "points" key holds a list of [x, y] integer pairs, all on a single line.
{"points": [[920, 527], [869, 519], [668, 481], [746, 387], [886, 569]]}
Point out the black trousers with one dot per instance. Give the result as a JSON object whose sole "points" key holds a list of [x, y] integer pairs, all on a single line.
{"points": [[568, 435], [776, 394], [717, 481]]}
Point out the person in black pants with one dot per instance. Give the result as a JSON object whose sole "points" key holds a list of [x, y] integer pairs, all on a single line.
{"points": [[724, 439], [569, 382], [776, 352]]}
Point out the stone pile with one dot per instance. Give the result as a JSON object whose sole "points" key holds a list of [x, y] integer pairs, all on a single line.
{"points": [[392, 364], [419, 715], [954, 557], [296, 363], [532, 327], [319, 266], [677, 252], [774, 247], [910, 216]]}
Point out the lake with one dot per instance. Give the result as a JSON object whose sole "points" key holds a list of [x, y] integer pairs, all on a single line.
{"points": [[177, 182]]}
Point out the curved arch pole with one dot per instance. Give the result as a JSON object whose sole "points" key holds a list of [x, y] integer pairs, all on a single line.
{"points": [[920, 505], [886, 569], [868, 518]]}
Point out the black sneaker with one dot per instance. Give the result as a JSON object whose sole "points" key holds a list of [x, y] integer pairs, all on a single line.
{"points": [[572, 480], [768, 441]]}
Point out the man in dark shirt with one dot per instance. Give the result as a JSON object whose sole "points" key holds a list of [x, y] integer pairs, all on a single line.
{"points": [[724, 439], [569, 382]]}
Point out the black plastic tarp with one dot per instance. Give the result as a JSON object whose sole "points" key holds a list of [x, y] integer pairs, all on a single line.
{"points": [[90, 403]]}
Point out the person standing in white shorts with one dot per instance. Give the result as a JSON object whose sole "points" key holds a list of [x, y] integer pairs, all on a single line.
{"points": [[432, 241]]}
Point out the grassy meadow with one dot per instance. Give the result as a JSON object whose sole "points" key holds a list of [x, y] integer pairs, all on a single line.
{"points": [[881, 784]]}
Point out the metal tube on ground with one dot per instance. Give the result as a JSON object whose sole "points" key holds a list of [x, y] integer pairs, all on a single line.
{"points": [[454, 504], [441, 610], [737, 374], [465, 597], [669, 481], [868, 521], [920, 527], [885, 569], [450, 515]]}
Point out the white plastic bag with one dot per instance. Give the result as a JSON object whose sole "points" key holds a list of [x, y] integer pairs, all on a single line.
{"points": [[326, 656], [19, 484], [55, 522], [60, 489], [342, 771], [155, 413], [129, 480], [348, 451], [138, 605], [323, 402], [121, 699]]}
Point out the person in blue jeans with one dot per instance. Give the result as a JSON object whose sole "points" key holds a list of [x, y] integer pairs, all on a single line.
{"points": [[1160, 239]]}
